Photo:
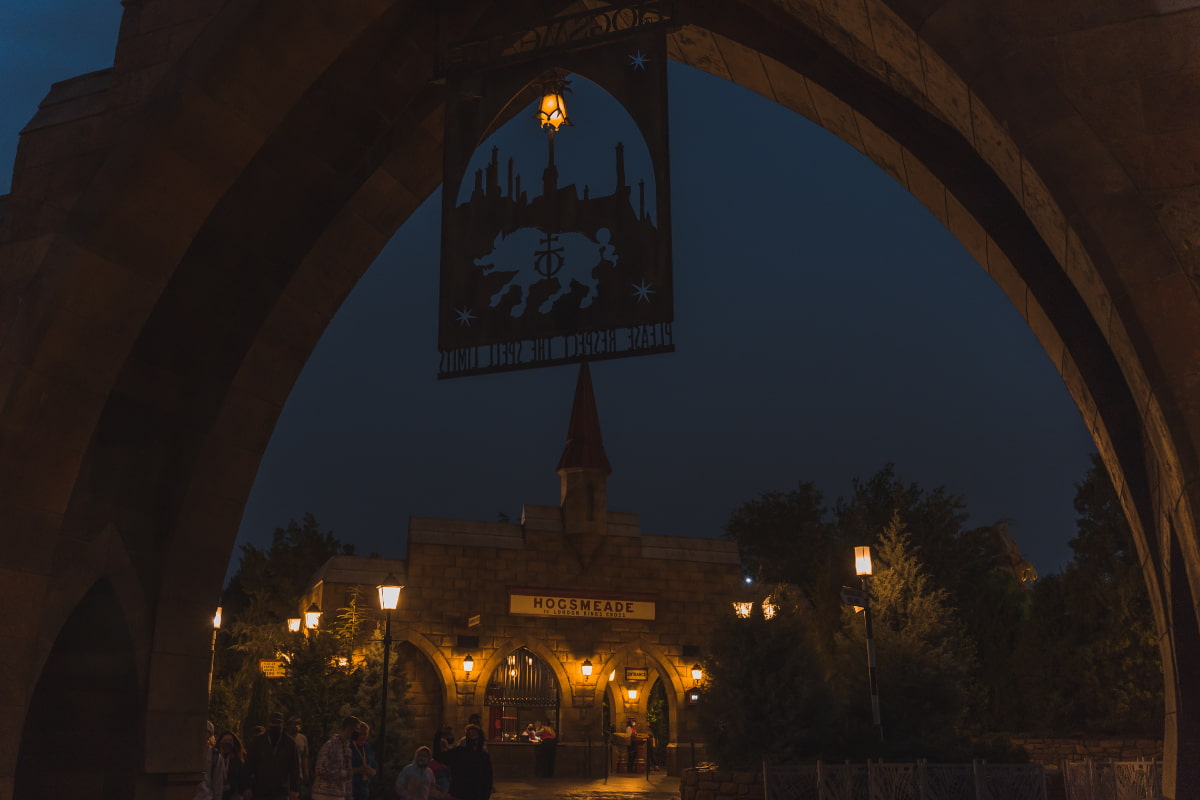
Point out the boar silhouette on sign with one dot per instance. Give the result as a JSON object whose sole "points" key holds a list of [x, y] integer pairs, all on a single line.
{"points": [[532, 256]]}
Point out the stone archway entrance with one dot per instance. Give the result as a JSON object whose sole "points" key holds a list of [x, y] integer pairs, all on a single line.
{"points": [[177, 240]]}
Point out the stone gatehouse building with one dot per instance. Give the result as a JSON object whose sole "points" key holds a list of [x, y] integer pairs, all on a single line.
{"points": [[532, 603]]}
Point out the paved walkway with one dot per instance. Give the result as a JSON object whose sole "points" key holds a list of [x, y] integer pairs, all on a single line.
{"points": [[660, 787]]}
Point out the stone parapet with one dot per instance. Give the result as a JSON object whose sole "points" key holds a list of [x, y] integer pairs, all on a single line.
{"points": [[1053, 750], [713, 783]]}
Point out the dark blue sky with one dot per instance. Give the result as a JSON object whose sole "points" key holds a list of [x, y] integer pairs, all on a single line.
{"points": [[825, 325]]}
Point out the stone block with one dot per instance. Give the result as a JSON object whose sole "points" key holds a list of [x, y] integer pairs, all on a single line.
{"points": [[745, 67], [790, 88], [701, 51], [896, 43]]}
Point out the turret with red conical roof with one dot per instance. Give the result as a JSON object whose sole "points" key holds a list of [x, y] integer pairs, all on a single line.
{"points": [[584, 467]]}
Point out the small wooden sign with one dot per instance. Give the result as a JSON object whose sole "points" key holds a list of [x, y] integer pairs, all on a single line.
{"points": [[635, 674], [273, 667]]}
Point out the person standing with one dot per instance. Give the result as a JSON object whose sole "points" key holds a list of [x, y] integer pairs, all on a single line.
{"points": [[292, 729], [231, 757], [362, 762], [333, 773], [272, 766], [415, 780], [547, 742], [631, 751], [471, 767]]}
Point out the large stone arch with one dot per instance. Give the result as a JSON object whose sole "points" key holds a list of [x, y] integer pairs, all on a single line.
{"points": [[170, 266]]}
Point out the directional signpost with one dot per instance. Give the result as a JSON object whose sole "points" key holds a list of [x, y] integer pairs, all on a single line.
{"points": [[854, 597]]}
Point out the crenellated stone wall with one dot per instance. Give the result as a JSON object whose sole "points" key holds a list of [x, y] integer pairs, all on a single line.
{"points": [[1052, 751], [713, 783]]}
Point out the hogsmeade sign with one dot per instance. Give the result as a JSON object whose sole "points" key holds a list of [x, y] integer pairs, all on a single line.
{"points": [[572, 603], [552, 255]]}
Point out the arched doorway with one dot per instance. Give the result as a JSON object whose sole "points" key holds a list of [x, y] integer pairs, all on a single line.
{"points": [[425, 691], [521, 691], [88, 695]]}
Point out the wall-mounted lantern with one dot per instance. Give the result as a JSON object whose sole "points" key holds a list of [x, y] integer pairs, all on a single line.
{"points": [[294, 624], [586, 668], [468, 665]]}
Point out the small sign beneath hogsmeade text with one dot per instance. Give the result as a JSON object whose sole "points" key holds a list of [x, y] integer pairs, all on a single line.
{"points": [[556, 233], [597, 605]]}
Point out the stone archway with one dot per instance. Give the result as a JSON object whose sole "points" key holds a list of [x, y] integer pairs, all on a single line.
{"points": [[172, 259], [87, 693]]}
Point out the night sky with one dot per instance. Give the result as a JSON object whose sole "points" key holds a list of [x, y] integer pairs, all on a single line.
{"points": [[826, 324]]}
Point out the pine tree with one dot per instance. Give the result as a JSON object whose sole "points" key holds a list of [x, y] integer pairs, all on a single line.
{"points": [[926, 661]]}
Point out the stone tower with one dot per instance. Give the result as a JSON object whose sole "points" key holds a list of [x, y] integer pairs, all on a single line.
{"points": [[584, 467]]}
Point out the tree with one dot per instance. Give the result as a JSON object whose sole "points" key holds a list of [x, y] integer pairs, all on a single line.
{"points": [[926, 661], [258, 599], [771, 693], [787, 538], [1092, 641]]}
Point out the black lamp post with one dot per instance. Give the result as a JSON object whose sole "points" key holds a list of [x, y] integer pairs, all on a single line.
{"points": [[862, 565], [389, 598]]}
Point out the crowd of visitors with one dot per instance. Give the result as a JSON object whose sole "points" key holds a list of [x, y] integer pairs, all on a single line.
{"points": [[274, 765]]}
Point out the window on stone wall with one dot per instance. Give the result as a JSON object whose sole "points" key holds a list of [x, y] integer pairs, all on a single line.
{"points": [[521, 691]]}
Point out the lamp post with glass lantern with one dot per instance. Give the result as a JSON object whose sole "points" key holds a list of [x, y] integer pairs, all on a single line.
{"points": [[389, 598], [212, 662], [312, 617], [862, 565]]}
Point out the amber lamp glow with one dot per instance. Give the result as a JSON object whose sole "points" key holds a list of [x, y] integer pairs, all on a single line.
{"points": [[552, 109], [294, 624], [862, 560], [312, 617], [586, 667], [217, 618], [632, 694], [697, 672], [468, 665]]}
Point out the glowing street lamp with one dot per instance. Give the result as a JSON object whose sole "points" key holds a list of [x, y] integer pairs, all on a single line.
{"points": [[312, 617], [212, 661], [469, 665], [697, 673], [389, 598], [862, 560], [293, 624], [586, 668], [631, 694], [862, 565]]}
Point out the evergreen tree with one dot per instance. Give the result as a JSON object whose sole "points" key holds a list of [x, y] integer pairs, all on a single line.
{"points": [[1092, 640], [770, 693]]}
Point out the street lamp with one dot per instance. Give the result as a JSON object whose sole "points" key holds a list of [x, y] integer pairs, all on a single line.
{"points": [[697, 674], [586, 668], [389, 598], [469, 665], [862, 565], [312, 617], [212, 661], [294, 624], [632, 694]]}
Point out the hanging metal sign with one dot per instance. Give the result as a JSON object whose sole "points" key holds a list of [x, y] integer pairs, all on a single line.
{"points": [[537, 269]]}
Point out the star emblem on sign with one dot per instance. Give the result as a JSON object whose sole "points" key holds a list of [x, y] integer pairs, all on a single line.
{"points": [[642, 291], [638, 60], [464, 316]]}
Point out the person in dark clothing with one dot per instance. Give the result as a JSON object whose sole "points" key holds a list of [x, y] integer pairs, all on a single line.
{"points": [[470, 767], [272, 764]]}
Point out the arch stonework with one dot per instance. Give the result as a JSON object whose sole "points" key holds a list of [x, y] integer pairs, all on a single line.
{"points": [[182, 228]]}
